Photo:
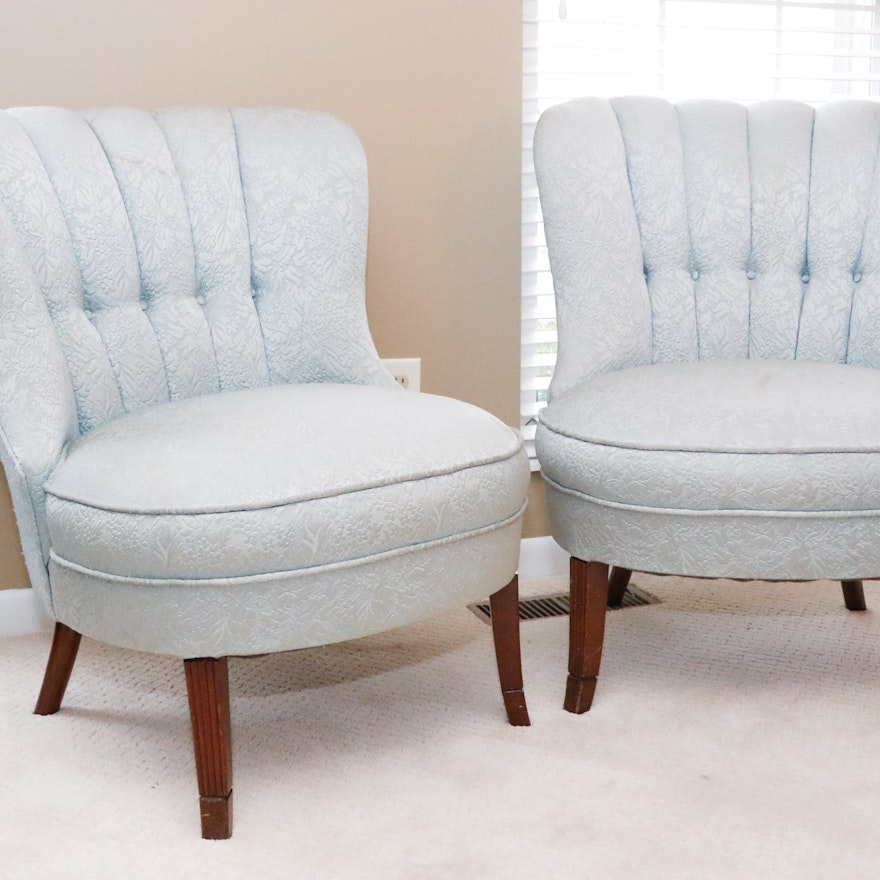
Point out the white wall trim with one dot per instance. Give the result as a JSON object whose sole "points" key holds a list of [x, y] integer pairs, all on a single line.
{"points": [[541, 558], [22, 612]]}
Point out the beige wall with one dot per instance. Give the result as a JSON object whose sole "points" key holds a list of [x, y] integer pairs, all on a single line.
{"points": [[433, 90], [536, 522]]}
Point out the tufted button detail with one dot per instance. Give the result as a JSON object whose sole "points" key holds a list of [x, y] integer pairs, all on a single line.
{"points": [[805, 277], [695, 274], [254, 292], [88, 313], [200, 300], [857, 277], [751, 274], [143, 305]]}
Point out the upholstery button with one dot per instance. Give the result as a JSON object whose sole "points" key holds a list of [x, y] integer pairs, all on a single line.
{"points": [[88, 313], [695, 274], [857, 277], [254, 292], [750, 274], [143, 305], [200, 300], [805, 278]]}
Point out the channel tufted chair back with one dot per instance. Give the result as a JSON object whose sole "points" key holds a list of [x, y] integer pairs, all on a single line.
{"points": [[205, 454], [711, 230], [715, 408], [151, 257]]}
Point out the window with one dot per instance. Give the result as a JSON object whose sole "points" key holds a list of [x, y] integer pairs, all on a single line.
{"points": [[745, 50]]}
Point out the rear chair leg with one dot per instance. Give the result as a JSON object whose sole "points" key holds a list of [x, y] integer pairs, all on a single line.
{"points": [[854, 595], [505, 630], [618, 581], [62, 656], [207, 684], [589, 596]]}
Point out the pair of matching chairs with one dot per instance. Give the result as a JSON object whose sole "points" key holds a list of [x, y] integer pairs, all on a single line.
{"points": [[207, 459]]}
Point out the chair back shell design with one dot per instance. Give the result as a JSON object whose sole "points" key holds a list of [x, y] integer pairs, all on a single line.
{"points": [[151, 257], [711, 230]]}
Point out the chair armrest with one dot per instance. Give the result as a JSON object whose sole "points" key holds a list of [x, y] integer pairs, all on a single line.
{"points": [[602, 305], [37, 408]]}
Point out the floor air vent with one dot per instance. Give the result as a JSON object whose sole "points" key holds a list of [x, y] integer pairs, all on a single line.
{"points": [[539, 607]]}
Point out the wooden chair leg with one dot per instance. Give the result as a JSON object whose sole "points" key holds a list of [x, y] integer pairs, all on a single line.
{"points": [[207, 684], [62, 656], [505, 631], [618, 581], [589, 597], [854, 595]]}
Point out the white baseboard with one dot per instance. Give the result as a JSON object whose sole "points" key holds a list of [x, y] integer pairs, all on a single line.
{"points": [[541, 558], [22, 612]]}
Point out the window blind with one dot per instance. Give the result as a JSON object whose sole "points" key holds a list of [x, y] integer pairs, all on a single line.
{"points": [[745, 50]]}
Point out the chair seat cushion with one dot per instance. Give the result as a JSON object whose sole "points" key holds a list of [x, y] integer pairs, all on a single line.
{"points": [[279, 479], [747, 435]]}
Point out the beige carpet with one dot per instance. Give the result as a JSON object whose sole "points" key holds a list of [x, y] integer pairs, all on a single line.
{"points": [[735, 734]]}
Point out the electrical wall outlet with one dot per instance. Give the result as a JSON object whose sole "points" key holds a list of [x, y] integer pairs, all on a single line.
{"points": [[407, 371]]}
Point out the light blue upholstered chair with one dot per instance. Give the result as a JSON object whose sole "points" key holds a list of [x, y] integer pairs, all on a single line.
{"points": [[205, 454], [715, 409]]}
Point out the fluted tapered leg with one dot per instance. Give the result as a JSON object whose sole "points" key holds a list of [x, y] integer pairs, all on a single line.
{"points": [[854, 595], [589, 597], [505, 631], [207, 684], [62, 656]]}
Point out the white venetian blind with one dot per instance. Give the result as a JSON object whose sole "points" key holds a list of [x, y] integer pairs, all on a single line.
{"points": [[745, 50]]}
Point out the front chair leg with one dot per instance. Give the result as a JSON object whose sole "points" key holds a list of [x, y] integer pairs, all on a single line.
{"points": [[62, 656], [207, 684], [589, 596], [854, 595], [505, 630]]}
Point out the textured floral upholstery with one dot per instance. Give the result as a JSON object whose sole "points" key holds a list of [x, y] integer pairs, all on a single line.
{"points": [[205, 454], [715, 409], [292, 489]]}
